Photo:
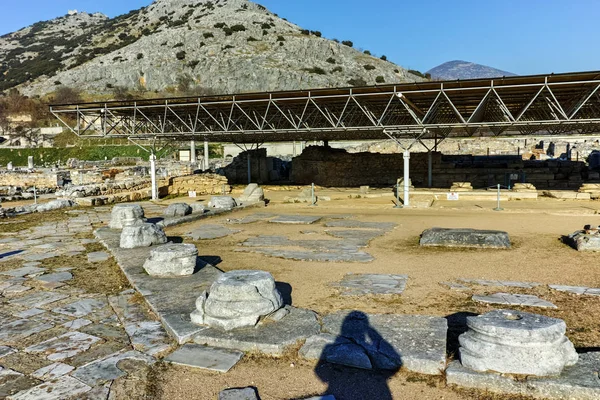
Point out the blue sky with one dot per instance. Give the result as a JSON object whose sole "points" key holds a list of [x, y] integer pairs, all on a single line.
{"points": [[520, 36]]}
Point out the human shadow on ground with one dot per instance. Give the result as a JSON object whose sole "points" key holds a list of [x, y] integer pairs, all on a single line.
{"points": [[457, 325], [372, 361]]}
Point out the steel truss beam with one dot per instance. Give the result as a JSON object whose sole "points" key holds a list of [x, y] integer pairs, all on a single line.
{"points": [[551, 105]]}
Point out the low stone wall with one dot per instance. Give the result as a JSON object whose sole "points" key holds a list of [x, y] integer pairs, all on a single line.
{"points": [[201, 184], [25, 179]]}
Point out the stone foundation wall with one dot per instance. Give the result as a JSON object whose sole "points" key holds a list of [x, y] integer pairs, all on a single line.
{"points": [[338, 168], [41, 179], [201, 184]]}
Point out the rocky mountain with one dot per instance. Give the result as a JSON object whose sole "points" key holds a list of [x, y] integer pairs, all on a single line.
{"points": [[465, 70], [226, 46]]}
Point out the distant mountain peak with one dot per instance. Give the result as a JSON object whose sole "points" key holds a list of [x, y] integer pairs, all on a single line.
{"points": [[459, 69]]}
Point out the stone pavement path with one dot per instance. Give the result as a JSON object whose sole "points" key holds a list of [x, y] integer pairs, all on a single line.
{"points": [[58, 341]]}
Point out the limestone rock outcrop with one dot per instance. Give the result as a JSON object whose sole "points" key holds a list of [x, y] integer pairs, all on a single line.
{"points": [[238, 299], [514, 342], [172, 260]]}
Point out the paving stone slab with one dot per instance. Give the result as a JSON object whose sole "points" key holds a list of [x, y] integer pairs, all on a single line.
{"points": [[295, 219], [577, 382], [464, 237], [415, 342], [81, 308], [98, 256], [484, 282], [211, 358], [52, 371], [65, 387], [20, 272], [358, 256], [523, 300], [269, 338], [249, 219], [17, 330], [14, 382], [107, 369], [579, 290], [208, 232], [455, 286], [362, 237], [238, 394], [55, 278], [15, 290], [39, 299], [29, 313], [77, 323], [5, 351], [64, 346], [374, 284], [345, 223]]}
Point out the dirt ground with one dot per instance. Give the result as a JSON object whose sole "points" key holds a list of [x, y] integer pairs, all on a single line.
{"points": [[537, 255]]}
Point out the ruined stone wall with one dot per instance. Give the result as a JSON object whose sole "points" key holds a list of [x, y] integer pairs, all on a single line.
{"points": [[201, 184], [41, 179], [338, 168]]}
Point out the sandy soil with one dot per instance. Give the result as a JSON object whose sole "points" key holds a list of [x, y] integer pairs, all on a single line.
{"points": [[537, 255]]}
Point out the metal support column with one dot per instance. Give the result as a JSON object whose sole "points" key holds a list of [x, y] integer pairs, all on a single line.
{"points": [[429, 169], [406, 178], [206, 156], [153, 176], [193, 159], [249, 168]]}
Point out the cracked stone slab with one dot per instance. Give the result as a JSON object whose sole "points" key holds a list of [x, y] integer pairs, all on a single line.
{"points": [[465, 237], [577, 382], [249, 219], [209, 232], [238, 394], [65, 387], [269, 338], [211, 358], [579, 290], [484, 282], [55, 278], [52, 371], [455, 286], [146, 335], [107, 369], [39, 299], [415, 342], [374, 284], [15, 289], [345, 223], [314, 250], [81, 308], [32, 312], [20, 272], [64, 346], [360, 236], [76, 324], [6, 351], [295, 219], [98, 256], [22, 328], [523, 300]]}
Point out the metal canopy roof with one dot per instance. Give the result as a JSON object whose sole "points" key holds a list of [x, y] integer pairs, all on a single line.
{"points": [[557, 104]]}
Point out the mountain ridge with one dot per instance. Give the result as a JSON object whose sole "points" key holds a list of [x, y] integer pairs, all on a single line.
{"points": [[227, 46], [459, 69]]}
